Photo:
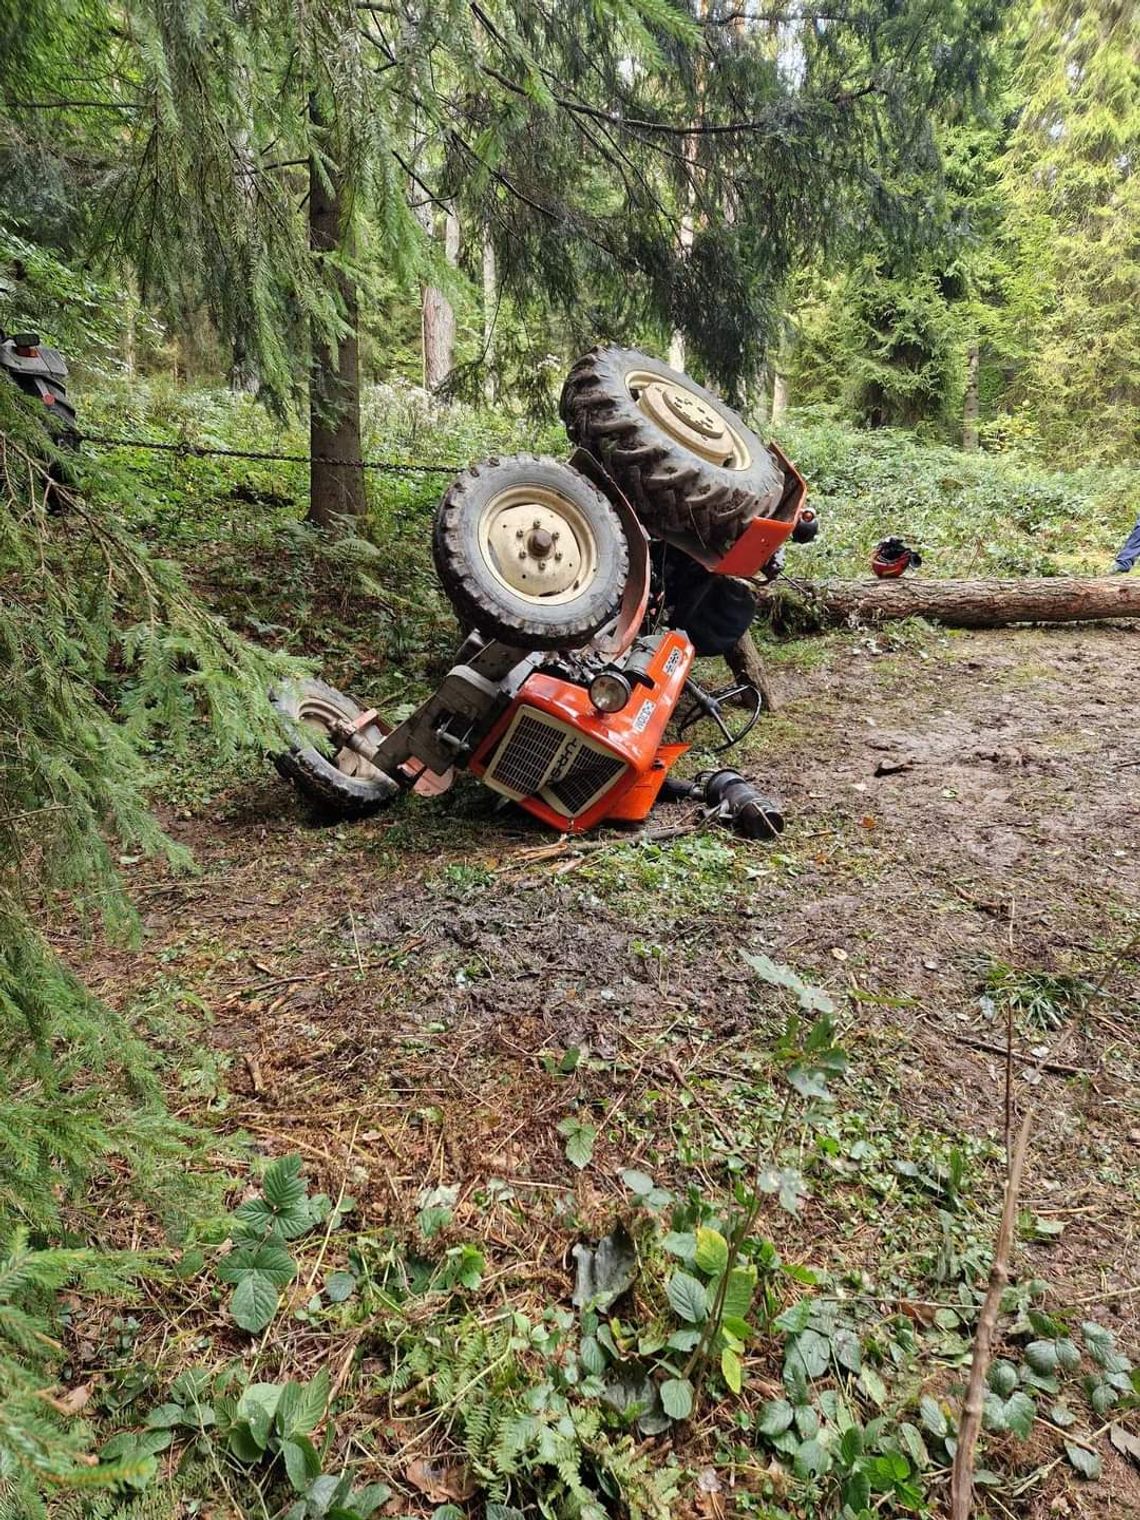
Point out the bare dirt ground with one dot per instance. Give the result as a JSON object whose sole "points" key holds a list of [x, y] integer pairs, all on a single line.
{"points": [[392, 998]]}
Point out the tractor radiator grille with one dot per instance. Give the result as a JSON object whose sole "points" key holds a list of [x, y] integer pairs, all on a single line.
{"points": [[541, 757], [587, 774], [527, 754]]}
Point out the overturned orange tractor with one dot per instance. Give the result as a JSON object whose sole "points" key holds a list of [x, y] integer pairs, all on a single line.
{"points": [[588, 589]]}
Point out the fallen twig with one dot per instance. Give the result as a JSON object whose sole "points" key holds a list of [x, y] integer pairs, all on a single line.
{"points": [[334, 1214], [1043, 1064], [962, 1476], [568, 845], [725, 1134]]}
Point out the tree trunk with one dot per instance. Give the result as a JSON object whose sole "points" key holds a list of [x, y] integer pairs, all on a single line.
{"points": [[336, 491], [746, 665], [685, 240], [244, 374], [490, 312], [955, 604], [129, 332], [686, 228], [970, 406], [779, 398], [438, 317]]}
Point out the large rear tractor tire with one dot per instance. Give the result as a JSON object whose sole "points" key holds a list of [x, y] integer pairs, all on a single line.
{"points": [[340, 782], [530, 552], [685, 460]]}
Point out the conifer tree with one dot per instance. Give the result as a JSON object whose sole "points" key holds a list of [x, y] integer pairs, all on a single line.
{"points": [[1072, 178], [575, 134], [101, 645]]}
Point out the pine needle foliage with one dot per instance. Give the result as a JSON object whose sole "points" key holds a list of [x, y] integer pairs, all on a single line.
{"points": [[1071, 180], [102, 646], [157, 1503], [37, 1446], [572, 138], [583, 140]]}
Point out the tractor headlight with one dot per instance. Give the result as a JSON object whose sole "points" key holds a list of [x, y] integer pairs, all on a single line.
{"points": [[610, 691]]}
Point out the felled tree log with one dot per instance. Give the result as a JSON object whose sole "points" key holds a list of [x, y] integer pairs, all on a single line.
{"points": [[801, 607]]}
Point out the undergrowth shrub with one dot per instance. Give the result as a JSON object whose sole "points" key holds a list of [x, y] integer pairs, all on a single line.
{"points": [[981, 515]]}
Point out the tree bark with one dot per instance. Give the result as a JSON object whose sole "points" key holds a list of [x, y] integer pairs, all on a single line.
{"points": [[686, 227], [336, 491], [955, 604], [244, 375], [746, 665], [685, 242], [438, 325], [129, 333], [779, 398], [970, 405], [490, 311]]}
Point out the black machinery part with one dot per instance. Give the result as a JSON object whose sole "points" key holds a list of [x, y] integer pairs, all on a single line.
{"points": [[731, 798], [710, 705], [716, 611]]}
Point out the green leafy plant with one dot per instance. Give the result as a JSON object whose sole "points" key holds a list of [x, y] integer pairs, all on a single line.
{"points": [[871, 1465], [811, 999], [335, 1497], [1042, 1380], [530, 1416], [1042, 1000], [267, 1430], [275, 1422], [580, 1137], [259, 1264], [806, 1061], [657, 1373]]}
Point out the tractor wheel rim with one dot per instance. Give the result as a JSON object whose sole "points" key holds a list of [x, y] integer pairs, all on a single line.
{"points": [[539, 544], [315, 712], [689, 418]]}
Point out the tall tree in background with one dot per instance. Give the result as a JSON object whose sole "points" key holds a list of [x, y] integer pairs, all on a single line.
{"points": [[912, 333], [336, 487], [885, 343], [910, 342], [437, 315], [1072, 178]]}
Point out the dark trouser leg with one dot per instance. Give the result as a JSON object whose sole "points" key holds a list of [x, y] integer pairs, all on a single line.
{"points": [[1130, 553]]}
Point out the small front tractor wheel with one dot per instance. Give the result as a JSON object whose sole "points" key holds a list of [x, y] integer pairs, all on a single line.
{"points": [[687, 463], [530, 552], [318, 762]]}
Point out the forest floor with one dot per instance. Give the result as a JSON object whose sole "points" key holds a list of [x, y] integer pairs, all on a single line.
{"points": [[415, 1003]]}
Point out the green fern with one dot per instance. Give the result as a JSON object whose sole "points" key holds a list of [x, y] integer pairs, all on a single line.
{"points": [[515, 1438], [523, 1438], [157, 1503]]}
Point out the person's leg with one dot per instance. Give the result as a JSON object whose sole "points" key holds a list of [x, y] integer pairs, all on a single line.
{"points": [[1130, 553]]}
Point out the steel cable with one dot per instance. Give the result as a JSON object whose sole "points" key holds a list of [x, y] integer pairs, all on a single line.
{"points": [[198, 450]]}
